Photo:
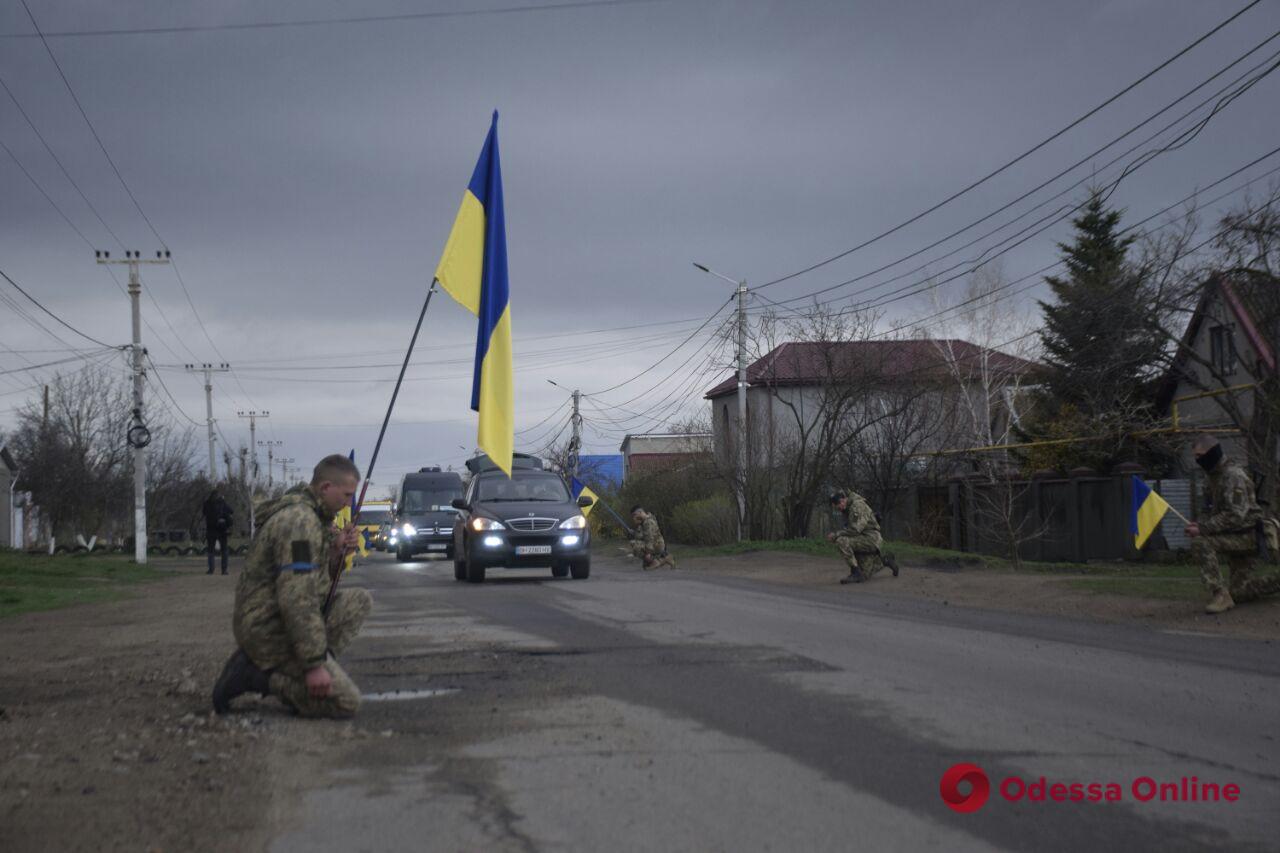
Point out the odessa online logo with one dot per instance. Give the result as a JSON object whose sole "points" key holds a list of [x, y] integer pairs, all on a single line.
{"points": [[965, 802]]}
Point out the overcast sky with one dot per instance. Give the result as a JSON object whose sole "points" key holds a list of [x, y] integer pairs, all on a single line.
{"points": [[305, 179]]}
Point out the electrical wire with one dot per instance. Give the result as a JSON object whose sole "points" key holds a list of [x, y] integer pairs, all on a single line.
{"points": [[33, 300], [1077, 164], [324, 22], [1018, 159]]}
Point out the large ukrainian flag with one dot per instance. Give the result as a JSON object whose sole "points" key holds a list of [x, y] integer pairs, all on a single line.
{"points": [[473, 269]]}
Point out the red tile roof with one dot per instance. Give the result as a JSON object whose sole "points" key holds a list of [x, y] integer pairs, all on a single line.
{"points": [[813, 362]]}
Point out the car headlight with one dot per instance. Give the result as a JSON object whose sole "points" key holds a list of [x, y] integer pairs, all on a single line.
{"points": [[478, 524], [408, 530], [577, 522]]}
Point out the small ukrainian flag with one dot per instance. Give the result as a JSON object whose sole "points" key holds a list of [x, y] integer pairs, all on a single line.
{"points": [[579, 489], [1145, 513], [473, 270]]}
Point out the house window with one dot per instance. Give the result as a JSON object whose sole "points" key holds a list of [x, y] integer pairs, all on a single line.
{"points": [[1222, 344]]}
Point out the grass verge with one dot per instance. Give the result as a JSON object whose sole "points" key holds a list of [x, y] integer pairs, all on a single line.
{"points": [[29, 582], [1174, 581]]}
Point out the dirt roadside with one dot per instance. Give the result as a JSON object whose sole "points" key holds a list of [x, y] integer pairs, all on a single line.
{"points": [[963, 586], [107, 741]]}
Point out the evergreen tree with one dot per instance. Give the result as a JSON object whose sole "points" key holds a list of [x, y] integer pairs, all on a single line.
{"points": [[1101, 350]]}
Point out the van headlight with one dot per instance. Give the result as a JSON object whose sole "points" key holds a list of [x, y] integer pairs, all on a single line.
{"points": [[577, 522], [408, 530], [478, 524]]}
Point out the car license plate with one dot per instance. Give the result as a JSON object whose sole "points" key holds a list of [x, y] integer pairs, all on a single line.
{"points": [[527, 550], [437, 546]]}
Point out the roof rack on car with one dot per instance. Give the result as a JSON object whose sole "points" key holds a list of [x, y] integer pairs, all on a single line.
{"points": [[476, 464]]}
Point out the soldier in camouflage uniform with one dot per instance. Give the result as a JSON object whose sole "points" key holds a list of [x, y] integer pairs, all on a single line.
{"points": [[647, 542], [287, 645], [858, 539], [1230, 530]]}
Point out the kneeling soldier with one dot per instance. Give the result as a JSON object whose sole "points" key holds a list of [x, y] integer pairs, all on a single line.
{"points": [[287, 645], [1231, 530], [647, 542], [859, 539]]}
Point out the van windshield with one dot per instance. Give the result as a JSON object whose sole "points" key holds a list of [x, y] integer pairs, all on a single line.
{"points": [[373, 515], [423, 501]]}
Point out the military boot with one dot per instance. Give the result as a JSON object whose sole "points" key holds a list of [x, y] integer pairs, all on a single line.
{"points": [[892, 562], [854, 576], [669, 561], [1220, 603], [239, 676]]}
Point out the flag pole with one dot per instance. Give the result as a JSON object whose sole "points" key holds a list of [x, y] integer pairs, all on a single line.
{"points": [[617, 517], [373, 460]]}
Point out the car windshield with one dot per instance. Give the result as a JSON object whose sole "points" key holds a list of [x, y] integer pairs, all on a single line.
{"points": [[543, 487], [373, 515], [423, 501]]}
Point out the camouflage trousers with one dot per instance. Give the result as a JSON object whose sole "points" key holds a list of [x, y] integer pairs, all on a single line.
{"points": [[861, 551], [1239, 549], [288, 682], [648, 555]]}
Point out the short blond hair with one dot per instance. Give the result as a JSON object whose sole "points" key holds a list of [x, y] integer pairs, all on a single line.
{"points": [[333, 468]]}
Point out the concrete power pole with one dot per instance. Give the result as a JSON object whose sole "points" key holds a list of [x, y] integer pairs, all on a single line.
{"points": [[253, 438], [138, 435], [270, 446], [208, 370], [744, 525], [742, 410], [284, 470], [575, 444]]}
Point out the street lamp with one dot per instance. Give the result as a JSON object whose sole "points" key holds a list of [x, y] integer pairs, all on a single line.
{"points": [[742, 393]]}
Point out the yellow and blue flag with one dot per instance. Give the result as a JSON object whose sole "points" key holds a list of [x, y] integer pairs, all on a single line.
{"points": [[344, 517], [473, 270], [579, 489], [1145, 513]]}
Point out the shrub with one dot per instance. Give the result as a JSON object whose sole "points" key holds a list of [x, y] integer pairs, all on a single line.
{"points": [[707, 521]]}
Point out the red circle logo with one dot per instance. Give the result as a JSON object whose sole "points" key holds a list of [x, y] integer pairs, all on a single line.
{"points": [[979, 788]]}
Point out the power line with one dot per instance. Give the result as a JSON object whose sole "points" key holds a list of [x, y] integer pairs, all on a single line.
{"points": [[1080, 162], [33, 300], [67, 360], [92, 129], [66, 174], [123, 183], [680, 346], [168, 393], [322, 22], [1018, 159]]}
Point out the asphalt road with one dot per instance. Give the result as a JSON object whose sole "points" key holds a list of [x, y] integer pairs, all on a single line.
{"points": [[675, 711]]}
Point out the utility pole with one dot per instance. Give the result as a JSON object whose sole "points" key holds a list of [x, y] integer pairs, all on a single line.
{"points": [[270, 446], [741, 285], [253, 438], [284, 470], [138, 435], [573, 462], [208, 370], [575, 445]]}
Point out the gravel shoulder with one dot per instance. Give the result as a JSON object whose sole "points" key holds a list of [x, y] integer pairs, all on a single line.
{"points": [[107, 741], [963, 586]]}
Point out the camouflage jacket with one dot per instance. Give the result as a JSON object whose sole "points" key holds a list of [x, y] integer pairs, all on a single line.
{"points": [[649, 536], [284, 583], [857, 516], [1233, 507]]}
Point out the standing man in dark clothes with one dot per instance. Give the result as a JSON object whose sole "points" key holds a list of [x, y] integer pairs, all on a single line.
{"points": [[217, 524]]}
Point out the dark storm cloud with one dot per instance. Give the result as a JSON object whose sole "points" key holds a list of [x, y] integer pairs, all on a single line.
{"points": [[307, 178]]}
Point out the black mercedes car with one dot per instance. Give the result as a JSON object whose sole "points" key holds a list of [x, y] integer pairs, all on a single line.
{"points": [[527, 521]]}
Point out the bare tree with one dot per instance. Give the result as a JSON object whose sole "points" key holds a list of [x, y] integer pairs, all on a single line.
{"points": [[822, 392]]}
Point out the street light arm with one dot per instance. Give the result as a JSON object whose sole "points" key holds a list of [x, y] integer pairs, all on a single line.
{"points": [[708, 269]]}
